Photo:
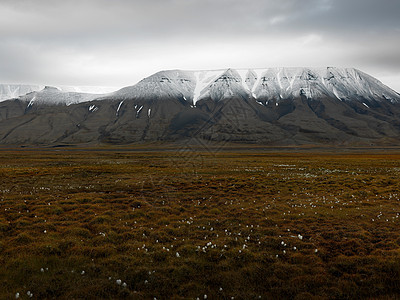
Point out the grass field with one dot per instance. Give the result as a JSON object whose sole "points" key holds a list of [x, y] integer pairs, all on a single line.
{"points": [[248, 225]]}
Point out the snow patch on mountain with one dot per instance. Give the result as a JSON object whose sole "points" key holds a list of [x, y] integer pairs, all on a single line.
{"points": [[202, 82]]}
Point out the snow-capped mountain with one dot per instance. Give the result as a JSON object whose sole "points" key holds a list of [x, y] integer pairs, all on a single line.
{"points": [[261, 84], [10, 91], [272, 106], [52, 95]]}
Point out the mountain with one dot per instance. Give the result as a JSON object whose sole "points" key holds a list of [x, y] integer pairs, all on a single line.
{"points": [[273, 106], [54, 96], [263, 84], [10, 91]]}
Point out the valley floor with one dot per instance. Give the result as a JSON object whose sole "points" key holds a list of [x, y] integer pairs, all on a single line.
{"points": [[183, 224]]}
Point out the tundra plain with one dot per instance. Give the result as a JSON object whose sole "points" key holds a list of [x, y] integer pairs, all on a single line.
{"points": [[80, 224]]}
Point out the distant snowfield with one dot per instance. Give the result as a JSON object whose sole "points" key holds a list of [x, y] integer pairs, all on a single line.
{"points": [[10, 91], [89, 89]]}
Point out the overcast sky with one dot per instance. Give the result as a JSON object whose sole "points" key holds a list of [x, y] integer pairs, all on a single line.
{"points": [[118, 42]]}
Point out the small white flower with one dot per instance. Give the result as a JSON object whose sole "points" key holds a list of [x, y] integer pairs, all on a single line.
{"points": [[118, 281], [177, 254], [124, 285], [16, 295]]}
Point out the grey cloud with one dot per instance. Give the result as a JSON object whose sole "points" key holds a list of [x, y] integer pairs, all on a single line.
{"points": [[17, 63], [365, 32], [121, 19]]}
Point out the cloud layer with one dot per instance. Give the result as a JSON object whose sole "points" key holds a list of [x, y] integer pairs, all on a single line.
{"points": [[101, 42]]}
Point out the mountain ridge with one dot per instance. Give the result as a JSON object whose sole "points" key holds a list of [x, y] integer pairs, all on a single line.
{"points": [[10, 91], [271, 106], [263, 83]]}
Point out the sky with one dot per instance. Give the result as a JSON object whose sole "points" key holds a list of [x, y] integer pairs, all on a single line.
{"points": [[119, 42]]}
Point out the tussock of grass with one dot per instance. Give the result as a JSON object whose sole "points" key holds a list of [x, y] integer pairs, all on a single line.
{"points": [[145, 224]]}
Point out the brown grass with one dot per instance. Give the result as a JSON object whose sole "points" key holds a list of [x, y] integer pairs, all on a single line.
{"points": [[167, 225]]}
